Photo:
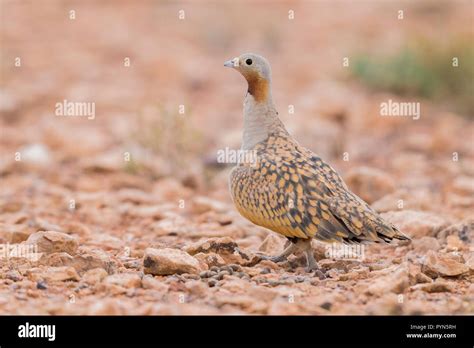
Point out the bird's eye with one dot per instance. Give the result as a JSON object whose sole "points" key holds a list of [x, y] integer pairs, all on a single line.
{"points": [[249, 61]]}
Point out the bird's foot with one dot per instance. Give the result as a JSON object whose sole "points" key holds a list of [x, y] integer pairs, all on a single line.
{"points": [[304, 245], [276, 259], [312, 265], [317, 272], [283, 256]]}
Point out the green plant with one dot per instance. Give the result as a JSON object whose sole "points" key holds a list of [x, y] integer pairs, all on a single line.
{"points": [[424, 68]]}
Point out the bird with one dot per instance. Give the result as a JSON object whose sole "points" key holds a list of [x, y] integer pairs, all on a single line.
{"points": [[287, 188]]}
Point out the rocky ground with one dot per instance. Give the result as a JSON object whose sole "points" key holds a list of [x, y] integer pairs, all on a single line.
{"points": [[129, 213]]}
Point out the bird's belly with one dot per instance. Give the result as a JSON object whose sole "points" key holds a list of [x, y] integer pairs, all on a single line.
{"points": [[254, 201], [243, 195]]}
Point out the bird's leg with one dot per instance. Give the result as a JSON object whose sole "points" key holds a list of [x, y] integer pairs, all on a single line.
{"points": [[305, 246], [282, 257], [311, 264]]}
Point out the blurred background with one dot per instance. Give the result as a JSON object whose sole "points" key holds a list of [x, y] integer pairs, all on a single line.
{"points": [[139, 61], [164, 106]]}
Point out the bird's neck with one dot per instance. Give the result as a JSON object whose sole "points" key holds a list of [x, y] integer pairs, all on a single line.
{"points": [[260, 118]]}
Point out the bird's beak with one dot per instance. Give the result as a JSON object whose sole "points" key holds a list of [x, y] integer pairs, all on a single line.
{"points": [[233, 63]]}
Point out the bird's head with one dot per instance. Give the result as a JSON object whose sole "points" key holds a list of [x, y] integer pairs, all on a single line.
{"points": [[256, 71]]}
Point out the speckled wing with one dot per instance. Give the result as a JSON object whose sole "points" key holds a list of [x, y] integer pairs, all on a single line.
{"points": [[358, 218], [293, 192]]}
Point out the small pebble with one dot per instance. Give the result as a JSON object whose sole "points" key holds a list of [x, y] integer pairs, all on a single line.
{"points": [[13, 275], [321, 275], [41, 285], [80, 287], [235, 267], [326, 305], [212, 283], [192, 276], [227, 269]]}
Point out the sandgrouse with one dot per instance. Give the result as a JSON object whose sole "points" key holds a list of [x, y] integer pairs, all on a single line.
{"points": [[289, 189]]}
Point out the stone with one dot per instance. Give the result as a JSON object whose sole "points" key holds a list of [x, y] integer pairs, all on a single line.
{"points": [[396, 281], [416, 224], [422, 278], [52, 241], [41, 286], [272, 244], [226, 247], [370, 184], [94, 276], [438, 286], [359, 273], [89, 258], [464, 230], [56, 259], [470, 262], [435, 265], [211, 259], [13, 275], [413, 271], [53, 274], [126, 280], [169, 261], [86, 259], [424, 244], [454, 243], [217, 245]]}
